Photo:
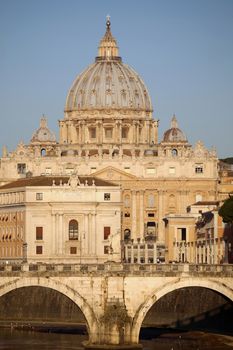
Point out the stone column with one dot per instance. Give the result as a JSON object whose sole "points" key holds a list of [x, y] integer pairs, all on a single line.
{"points": [[148, 127], [87, 234], [85, 133], [63, 132], [208, 252], [101, 132], [60, 230], [161, 233], [80, 133], [133, 132], [56, 233], [94, 247], [155, 253], [137, 133], [141, 215], [132, 254], [139, 254], [115, 132], [53, 238], [126, 253], [120, 131], [196, 252], [73, 134], [98, 127], [134, 216], [146, 253]]}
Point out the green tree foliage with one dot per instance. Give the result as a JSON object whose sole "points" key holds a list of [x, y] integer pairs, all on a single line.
{"points": [[226, 210], [228, 160]]}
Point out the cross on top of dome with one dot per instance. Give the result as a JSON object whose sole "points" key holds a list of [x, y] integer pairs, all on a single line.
{"points": [[108, 23]]}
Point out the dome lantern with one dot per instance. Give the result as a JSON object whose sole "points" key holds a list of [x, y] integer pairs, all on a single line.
{"points": [[108, 49]]}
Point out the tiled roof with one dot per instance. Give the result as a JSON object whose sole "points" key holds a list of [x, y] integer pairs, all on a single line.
{"points": [[50, 180]]}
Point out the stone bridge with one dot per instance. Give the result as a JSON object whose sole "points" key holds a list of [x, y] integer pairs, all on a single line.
{"points": [[113, 297]]}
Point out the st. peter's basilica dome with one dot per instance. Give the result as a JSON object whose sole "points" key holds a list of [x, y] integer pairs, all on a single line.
{"points": [[108, 83]]}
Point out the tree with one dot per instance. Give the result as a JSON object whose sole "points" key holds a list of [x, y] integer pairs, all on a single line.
{"points": [[226, 210]]}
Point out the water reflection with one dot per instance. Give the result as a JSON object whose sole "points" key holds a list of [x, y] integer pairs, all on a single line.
{"points": [[151, 339], [30, 340]]}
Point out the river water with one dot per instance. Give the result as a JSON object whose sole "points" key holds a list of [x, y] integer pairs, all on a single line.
{"points": [[151, 339]]}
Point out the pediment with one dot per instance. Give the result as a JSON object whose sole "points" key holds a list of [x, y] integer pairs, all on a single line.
{"points": [[113, 174]]}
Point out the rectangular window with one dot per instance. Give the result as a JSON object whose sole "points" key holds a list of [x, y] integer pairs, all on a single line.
{"points": [[151, 228], [150, 171], [182, 234], [107, 231], [106, 249], [39, 233], [151, 200], [151, 215], [172, 170], [21, 168], [124, 133], [199, 169], [39, 196], [39, 249], [48, 171], [73, 250], [108, 133], [92, 133], [107, 196], [69, 171]]}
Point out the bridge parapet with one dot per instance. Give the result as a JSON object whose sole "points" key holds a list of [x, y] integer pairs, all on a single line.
{"points": [[115, 297], [117, 269]]}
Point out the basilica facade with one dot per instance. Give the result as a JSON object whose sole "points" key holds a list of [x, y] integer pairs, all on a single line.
{"points": [[109, 133]]}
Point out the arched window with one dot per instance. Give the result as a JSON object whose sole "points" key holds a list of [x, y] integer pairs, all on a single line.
{"points": [[127, 234], [43, 152], [174, 152], [73, 229]]}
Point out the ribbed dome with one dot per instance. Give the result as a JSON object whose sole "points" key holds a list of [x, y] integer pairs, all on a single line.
{"points": [[43, 134], [174, 134], [108, 83]]}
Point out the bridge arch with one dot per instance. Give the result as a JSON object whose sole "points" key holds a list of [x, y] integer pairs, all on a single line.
{"points": [[72, 294], [158, 293]]}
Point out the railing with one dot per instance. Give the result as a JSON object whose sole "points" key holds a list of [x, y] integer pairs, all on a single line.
{"points": [[116, 268], [203, 251], [144, 252]]}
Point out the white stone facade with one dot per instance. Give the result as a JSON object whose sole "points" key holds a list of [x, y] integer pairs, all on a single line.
{"points": [[66, 221]]}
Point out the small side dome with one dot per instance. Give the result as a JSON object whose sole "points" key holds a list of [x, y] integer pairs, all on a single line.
{"points": [[174, 134], [43, 134]]}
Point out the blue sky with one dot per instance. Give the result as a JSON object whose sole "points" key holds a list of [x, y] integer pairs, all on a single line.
{"points": [[182, 49]]}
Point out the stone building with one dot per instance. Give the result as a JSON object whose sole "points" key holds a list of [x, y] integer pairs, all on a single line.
{"points": [[108, 131], [57, 219], [197, 236]]}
